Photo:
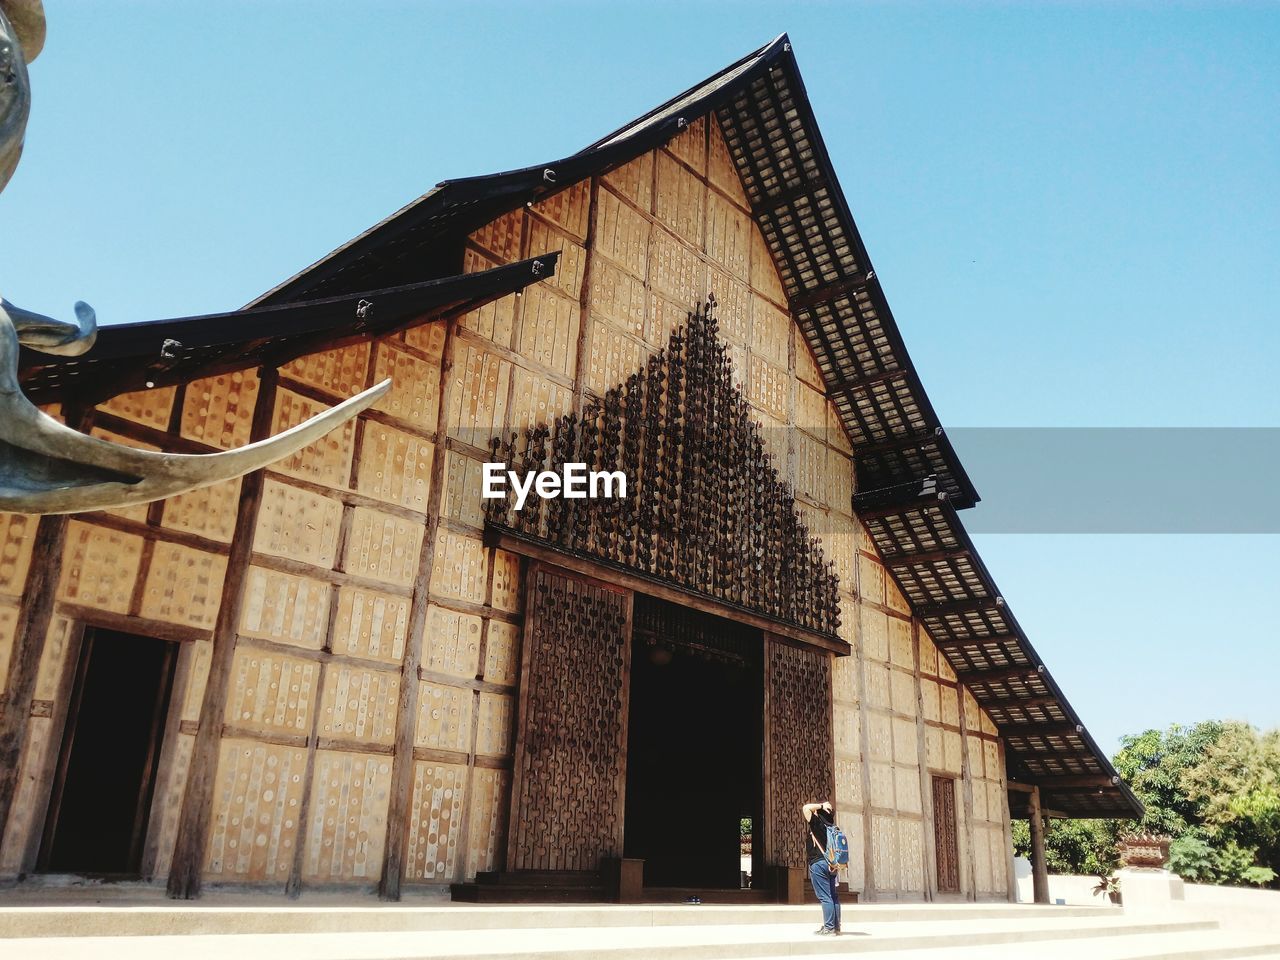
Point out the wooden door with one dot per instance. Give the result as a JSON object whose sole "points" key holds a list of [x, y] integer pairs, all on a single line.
{"points": [[944, 834], [569, 784], [799, 752]]}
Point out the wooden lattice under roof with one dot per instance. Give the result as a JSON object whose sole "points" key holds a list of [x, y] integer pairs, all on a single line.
{"points": [[769, 126]]}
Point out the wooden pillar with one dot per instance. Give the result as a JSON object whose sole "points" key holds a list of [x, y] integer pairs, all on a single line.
{"points": [[1039, 869]]}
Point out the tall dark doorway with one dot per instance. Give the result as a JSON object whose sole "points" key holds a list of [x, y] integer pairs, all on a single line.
{"points": [[944, 834], [101, 796], [694, 746]]}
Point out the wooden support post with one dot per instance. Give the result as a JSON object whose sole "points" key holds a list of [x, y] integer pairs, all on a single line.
{"points": [[1039, 869], [197, 800]]}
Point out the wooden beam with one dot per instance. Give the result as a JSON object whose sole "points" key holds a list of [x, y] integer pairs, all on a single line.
{"points": [[1029, 671], [1039, 867], [1078, 781], [662, 590], [947, 607], [952, 642], [912, 505], [197, 801], [1017, 787], [829, 291], [1011, 703], [916, 439], [1041, 730], [926, 557], [857, 384], [789, 195]]}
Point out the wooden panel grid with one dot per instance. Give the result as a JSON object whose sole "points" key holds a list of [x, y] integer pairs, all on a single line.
{"points": [[348, 819]]}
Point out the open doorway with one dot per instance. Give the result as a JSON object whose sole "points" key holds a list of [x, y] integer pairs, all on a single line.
{"points": [[101, 797], [694, 747]]}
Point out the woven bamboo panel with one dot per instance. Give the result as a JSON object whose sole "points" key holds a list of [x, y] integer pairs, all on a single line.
{"points": [[852, 823], [30, 798], [192, 695], [881, 779], [502, 653], [495, 320], [17, 534], [382, 547], [902, 693], [950, 705], [928, 656], [297, 524], [951, 752], [99, 566], [414, 396], [733, 307], [837, 437], [906, 789], [634, 181], [844, 679], [569, 209], [613, 357], [478, 396], [870, 579], [911, 854], [463, 483], [428, 338], [358, 703], [769, 388], [771, 332], [490, 798], [256, 797], [811, 468], [811, 411], [549, 330], [508, 593], [497, 720], [617, 298], [982, 860], [846, 728], [137, 513], [676, 271], [286, 608], [979, 787], [681, 200], [934, 757], [452, 643], [328, 460], [987, 725], [728, 230], [435, 820], [931, 703], [691, 145], [151, 408], [536, 400], [840, 545], [622, 235], [901, 645], [1001, 859], [444, 717], [879, 724], [184, 585], [977, 767], [271, 692], [370, 624], [460, 569], [501, 237], [395, 466], [8, 625], [764, 275], [166, 807], [219, 410], [347, 824], [945, 671], [875, 633], [342, 372], [208, 512], [970, 707], [573, 258], [886, 866], [991, 760], [848, 773], [56, 658], [893, 597], [661, 320], [905, 750], [721, 170]]}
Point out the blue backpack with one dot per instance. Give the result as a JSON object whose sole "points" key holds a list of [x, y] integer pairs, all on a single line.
{"points": [[837, 848]]}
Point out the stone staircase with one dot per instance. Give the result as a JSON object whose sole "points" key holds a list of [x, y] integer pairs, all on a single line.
{"points": [[61, 925]]}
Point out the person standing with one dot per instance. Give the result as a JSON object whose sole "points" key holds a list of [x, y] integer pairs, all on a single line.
{"points": [[825, 880]]}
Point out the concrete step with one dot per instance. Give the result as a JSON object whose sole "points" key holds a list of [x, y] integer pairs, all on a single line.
{"points": [[68, 913], [700, 942]]}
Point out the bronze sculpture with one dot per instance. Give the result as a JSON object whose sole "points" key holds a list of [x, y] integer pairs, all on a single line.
{"points": [[46, 466]]}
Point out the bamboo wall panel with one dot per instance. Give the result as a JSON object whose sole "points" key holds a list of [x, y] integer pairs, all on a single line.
{"points": [[478, 405], [444, 717], [17, 532], [567, 810], [183, 585], [634, 181], [662, 319], [691, 145], [549, 330], [680, 200], [151, 408], [489, 792], [30, 797], [568, 209], [502, 653], [452, 643], [326, 461], [462, 478], [618, 296], [675, 270], [99, 566], [764, 277], [721, 170], [171, 780], [297, 524], [614, 356], [769, 388], [270, 692], [507, 593], [8, 624], [497, 717], [460, 567], [370, 624], [219, 410], [414, 396], [733, 309], [535, 399], [573, 258], [501, 237], [494, 321], [347, 825], [257, 802], [208, 512], [435, 820], [138, 512], [395, 466], [342, 372], [427, 338], [622, 235], [359, 703], [382, 547], [728, 230]]}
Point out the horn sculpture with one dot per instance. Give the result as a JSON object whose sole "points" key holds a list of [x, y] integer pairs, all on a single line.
{"points": [[46, 466]]}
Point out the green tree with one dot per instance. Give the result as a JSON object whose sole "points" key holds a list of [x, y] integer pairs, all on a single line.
{"points": [[1072, 846], [1153, 763]]}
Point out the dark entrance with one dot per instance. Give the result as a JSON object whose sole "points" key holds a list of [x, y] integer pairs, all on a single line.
{"points": [[694, 747], [101, 796], [944, 834]]}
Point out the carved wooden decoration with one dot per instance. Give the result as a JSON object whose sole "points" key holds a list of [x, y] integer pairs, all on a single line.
{"points": [[570, 764], [705, 507], [798, 744]]}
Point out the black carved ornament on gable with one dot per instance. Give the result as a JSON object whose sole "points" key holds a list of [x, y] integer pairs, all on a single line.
{"points": [[705, 508]]}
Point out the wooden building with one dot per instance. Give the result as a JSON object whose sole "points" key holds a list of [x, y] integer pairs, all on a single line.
{"points": [[345, 672]]}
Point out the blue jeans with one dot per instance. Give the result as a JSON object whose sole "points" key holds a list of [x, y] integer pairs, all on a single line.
{"points": [[825, 885]]}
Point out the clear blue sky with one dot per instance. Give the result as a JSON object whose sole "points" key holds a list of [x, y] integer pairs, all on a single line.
{"points": [[1073, 210]]}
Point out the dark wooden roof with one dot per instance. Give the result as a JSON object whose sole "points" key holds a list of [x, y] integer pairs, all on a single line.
{"points": [[128, 356], [771, 131]]}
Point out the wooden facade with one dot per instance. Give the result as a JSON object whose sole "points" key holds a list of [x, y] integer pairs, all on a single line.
{"points": [[368, 691]]}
